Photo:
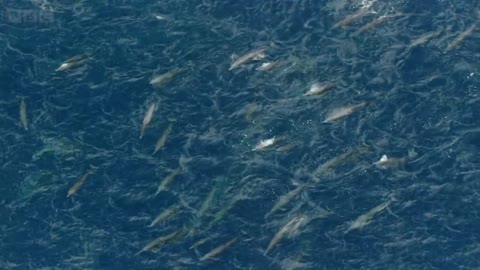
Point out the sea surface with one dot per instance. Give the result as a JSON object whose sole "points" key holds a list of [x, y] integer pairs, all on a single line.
{"points": [[245, 159]]}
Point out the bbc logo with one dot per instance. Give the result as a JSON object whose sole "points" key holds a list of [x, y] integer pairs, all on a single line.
{"points": [[26, 16]]}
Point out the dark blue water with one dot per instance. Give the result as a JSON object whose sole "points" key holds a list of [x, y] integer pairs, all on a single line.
{"points": [[421, 111]]}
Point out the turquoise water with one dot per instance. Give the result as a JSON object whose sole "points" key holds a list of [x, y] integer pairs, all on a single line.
{"points": [[413, 75]]}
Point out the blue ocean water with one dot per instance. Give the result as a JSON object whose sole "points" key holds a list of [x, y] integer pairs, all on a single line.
{"points": [[414, 70]]}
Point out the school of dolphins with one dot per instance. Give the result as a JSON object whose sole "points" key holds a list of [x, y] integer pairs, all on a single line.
{"points": [[257, 60]]}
